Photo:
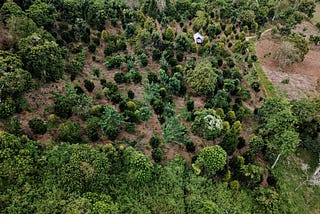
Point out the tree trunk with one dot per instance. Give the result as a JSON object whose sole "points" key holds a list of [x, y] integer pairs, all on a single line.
{"points": [[275, 162]]}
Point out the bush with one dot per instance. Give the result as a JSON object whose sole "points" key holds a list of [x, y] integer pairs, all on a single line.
{"points": [[92, 47], [157, 155], [130, 94], [156, 55], [155, 141], [158, 107], [89, 85], [190, 147], [136, 77], [190, 105], [70, 131], [37, 126], [112, 132], [143, 60], [120, 78], [13, 126], [92, 127]]}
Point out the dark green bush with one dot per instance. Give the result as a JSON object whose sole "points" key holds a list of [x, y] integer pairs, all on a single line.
{"points": [[70, 131], [136, 77], [92, 128], [37, 126], [89, 85], [130, 94], [158, 107], [155, 141], [112, 132], [14, 126], [157, 155], [120, 78], [190, 105]]}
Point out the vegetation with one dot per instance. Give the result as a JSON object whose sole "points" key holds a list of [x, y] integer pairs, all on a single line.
{"points": [[111, 107]]}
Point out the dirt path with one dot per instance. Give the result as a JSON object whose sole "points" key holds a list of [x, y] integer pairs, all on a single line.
{"points": [[262, 34]]}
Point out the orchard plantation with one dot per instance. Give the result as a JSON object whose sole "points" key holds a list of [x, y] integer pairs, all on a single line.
{"points": [[110, 106]]}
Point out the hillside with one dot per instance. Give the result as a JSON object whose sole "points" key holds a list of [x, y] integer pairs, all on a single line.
{"points": [[115, 107]]}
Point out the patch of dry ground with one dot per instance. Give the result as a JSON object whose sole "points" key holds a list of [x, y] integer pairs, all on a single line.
{"points": [[302, 76]]}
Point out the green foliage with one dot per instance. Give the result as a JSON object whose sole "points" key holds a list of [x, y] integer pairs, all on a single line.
{"points": [[140, 166], [37, 126], [70, 102], [70, 131], [211, 159], [202, 79], [13, 79], [174, 131], [207, 124], [42, 58], [89, 85], [110, 122], [14, 126], [92, 128], [42, 14]]}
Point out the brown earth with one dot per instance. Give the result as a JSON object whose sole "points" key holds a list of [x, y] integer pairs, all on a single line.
{"points": [[302, 76]]}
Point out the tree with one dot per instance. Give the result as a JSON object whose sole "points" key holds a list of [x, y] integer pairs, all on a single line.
{"points": [[10, 9], [287, 54], [37, 126], [70, 131], [202, 79], [42, 14], [13, 79], [207, 124], [211, 159], [42, 58], [284, 144]]}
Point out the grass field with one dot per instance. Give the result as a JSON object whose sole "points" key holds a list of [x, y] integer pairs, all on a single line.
{"points": [[316, 16]]}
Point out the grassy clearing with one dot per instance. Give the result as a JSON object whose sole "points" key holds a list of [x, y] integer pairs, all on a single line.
{"points": [[316, 15], [294, 189], [267, 86]]}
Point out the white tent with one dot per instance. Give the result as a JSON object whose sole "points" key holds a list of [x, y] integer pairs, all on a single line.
{"points": [[198, 38]]}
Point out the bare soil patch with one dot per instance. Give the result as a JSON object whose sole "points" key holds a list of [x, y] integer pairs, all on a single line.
{"points": [[302, 76]]}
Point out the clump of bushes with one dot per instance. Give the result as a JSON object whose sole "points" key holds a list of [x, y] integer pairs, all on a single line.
{"points": [[37, 126]]}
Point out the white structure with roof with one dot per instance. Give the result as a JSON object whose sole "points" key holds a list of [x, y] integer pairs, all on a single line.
{"points": [[198, 38]]}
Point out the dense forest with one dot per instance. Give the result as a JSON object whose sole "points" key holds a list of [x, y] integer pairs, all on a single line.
{"points": [[112, 106]]}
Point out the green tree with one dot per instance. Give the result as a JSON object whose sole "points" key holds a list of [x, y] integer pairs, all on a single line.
{"points": [[37, 126], [207, 124], [42, 58], [42, 14], [202, 79], [70, 131], [10, 9], [284, 144], [211, 159]]}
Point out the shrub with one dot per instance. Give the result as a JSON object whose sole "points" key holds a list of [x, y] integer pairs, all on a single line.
{"points": [[130, 94], [70, 131], [190, 105], [136, 77], [152, 77], [92, 47], [112, 132], [13, 126], [190, 147], [158, 107], [156, 55], [37, 126], [143, 59], [155, 141], [157, 155], [92, 127], [89, 85], [120, 78]]}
